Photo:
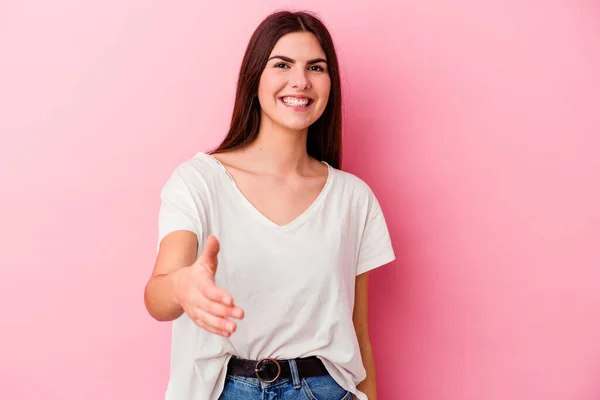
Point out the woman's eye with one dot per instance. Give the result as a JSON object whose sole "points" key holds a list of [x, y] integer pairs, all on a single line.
{"points": [[281, 65], [317, 68]]}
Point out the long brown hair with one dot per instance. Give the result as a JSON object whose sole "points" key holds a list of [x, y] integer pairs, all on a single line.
{"points": [[324, 141]]}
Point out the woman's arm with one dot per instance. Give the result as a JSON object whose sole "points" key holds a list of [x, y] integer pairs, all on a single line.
{"points": [[361, 325], [177, 250]]}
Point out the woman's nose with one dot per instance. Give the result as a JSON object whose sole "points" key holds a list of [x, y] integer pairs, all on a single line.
{"points": [[299, 80]]}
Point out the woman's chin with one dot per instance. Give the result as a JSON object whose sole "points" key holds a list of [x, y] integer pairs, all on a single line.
{"points": [[296, 125]]}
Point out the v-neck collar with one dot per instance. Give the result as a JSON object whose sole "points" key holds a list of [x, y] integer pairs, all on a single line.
{"points": [[260, 216]]}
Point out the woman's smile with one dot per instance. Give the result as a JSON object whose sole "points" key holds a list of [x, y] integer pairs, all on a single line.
{"points": [[297, 103]]}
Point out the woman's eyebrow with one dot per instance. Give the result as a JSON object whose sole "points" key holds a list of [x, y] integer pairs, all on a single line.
{"points": [[287, 59]]}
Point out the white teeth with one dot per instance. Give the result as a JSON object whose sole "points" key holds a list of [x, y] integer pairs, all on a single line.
{"points": [[295, 102]]}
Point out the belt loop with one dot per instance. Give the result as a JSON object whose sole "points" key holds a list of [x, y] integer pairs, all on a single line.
{"points": [[295, 375]]}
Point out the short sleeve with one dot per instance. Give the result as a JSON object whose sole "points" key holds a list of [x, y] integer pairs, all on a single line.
{"points": [[178, 209], [376, 246]]}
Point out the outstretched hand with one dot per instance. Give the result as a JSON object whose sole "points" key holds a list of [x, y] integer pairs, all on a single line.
{"points": [[202, 300]]}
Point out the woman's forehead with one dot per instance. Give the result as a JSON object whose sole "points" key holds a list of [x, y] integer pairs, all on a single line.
{"points": [[298, 45]]}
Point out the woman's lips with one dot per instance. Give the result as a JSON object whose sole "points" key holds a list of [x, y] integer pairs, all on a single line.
{"points": [[296, 106]]}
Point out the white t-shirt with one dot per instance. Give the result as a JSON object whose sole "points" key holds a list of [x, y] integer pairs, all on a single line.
{"points": [[295, 282]]}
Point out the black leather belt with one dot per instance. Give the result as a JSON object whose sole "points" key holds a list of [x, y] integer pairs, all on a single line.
{"points": [[269, 369]]}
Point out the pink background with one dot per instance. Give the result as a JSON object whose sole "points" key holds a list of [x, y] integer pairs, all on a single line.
{"points": [[476, 123]]}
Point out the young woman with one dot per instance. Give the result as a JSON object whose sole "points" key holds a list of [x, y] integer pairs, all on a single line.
{"points": [[265, 244]]}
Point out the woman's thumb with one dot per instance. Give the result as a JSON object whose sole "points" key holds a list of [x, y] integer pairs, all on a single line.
{"points": [[210, 252]]}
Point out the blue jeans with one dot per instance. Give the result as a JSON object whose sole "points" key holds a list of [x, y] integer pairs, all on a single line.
{"points": [[294, 388]]}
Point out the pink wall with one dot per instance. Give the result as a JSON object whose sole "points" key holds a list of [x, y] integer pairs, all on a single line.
{"points": [[473, 123]]}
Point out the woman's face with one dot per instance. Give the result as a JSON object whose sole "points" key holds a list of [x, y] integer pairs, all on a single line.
{"points": [[294, 86]]}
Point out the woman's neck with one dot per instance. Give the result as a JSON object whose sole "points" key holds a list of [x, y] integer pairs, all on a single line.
{"points": [[279, 151]]}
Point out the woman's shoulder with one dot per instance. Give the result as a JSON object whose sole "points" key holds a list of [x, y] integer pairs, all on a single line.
{"points": [[195, 172], [350, 181]]}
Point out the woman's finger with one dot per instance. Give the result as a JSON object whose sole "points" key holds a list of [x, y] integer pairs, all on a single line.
{"points": [[221, 310], [210, 329], [211, 291], [217, 323]]}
